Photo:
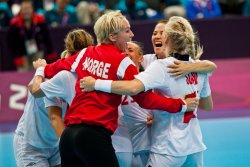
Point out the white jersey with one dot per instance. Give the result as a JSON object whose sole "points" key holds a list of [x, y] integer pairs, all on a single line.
{"points": [[148, 59], [120, 139], [170, 135], [135, 119], [35, 125], [63, 85]]}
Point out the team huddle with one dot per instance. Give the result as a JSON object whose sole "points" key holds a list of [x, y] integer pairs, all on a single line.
{"points": [[108, 105]]}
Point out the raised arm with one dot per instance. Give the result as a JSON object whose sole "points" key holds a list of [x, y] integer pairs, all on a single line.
{"points": [[180, 68], [68, 64], [34, 85], [47, 70]]}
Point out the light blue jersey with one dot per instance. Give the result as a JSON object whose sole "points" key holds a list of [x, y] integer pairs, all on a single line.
{"points": [[35, 125], [35, 142]]}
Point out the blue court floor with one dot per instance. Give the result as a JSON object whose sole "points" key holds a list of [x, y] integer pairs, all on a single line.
{"points": [[227, 139]]}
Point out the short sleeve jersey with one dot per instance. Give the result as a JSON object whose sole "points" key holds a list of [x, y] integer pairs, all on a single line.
{"points": [[175, 134]]}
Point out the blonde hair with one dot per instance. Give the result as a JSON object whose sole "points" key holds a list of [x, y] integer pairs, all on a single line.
{"points": [[75, 41], [109, 23], [182, 37], [64, 54]]}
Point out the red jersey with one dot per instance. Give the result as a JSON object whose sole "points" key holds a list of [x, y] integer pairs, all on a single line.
{"points": [[99, 108]]}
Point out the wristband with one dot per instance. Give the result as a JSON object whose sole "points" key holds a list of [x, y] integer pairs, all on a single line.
{"points": [[103, 85], [40, 71]]}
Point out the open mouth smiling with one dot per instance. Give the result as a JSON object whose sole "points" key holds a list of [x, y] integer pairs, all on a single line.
{"points": [[158, 45]]}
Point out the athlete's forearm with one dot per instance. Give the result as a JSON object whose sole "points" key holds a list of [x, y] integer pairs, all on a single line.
{"points": [[204, 66], [61, 64], [34, 85], [150, 100], [52, 69], [131, 87], [55, 115], [206, 103], [179, 68]]}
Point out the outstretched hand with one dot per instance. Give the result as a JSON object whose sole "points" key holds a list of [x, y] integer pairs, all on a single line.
{"points": [[178, 69], [39, 63], [192, 103], [87, 84]]}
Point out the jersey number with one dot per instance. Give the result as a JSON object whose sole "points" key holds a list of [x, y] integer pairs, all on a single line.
{"points": [[126, 101]]}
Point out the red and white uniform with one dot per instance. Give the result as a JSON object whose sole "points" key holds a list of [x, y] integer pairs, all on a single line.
{"points": [[99, 108], [176, 134], [135, 119]]}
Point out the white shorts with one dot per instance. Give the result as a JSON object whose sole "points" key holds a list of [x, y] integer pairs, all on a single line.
{"points": [[140, 159], [28, 155], [163, 160], [124, 158]]}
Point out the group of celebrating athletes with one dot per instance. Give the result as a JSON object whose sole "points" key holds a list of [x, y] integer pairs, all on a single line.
{"points": [[153, 124]]}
